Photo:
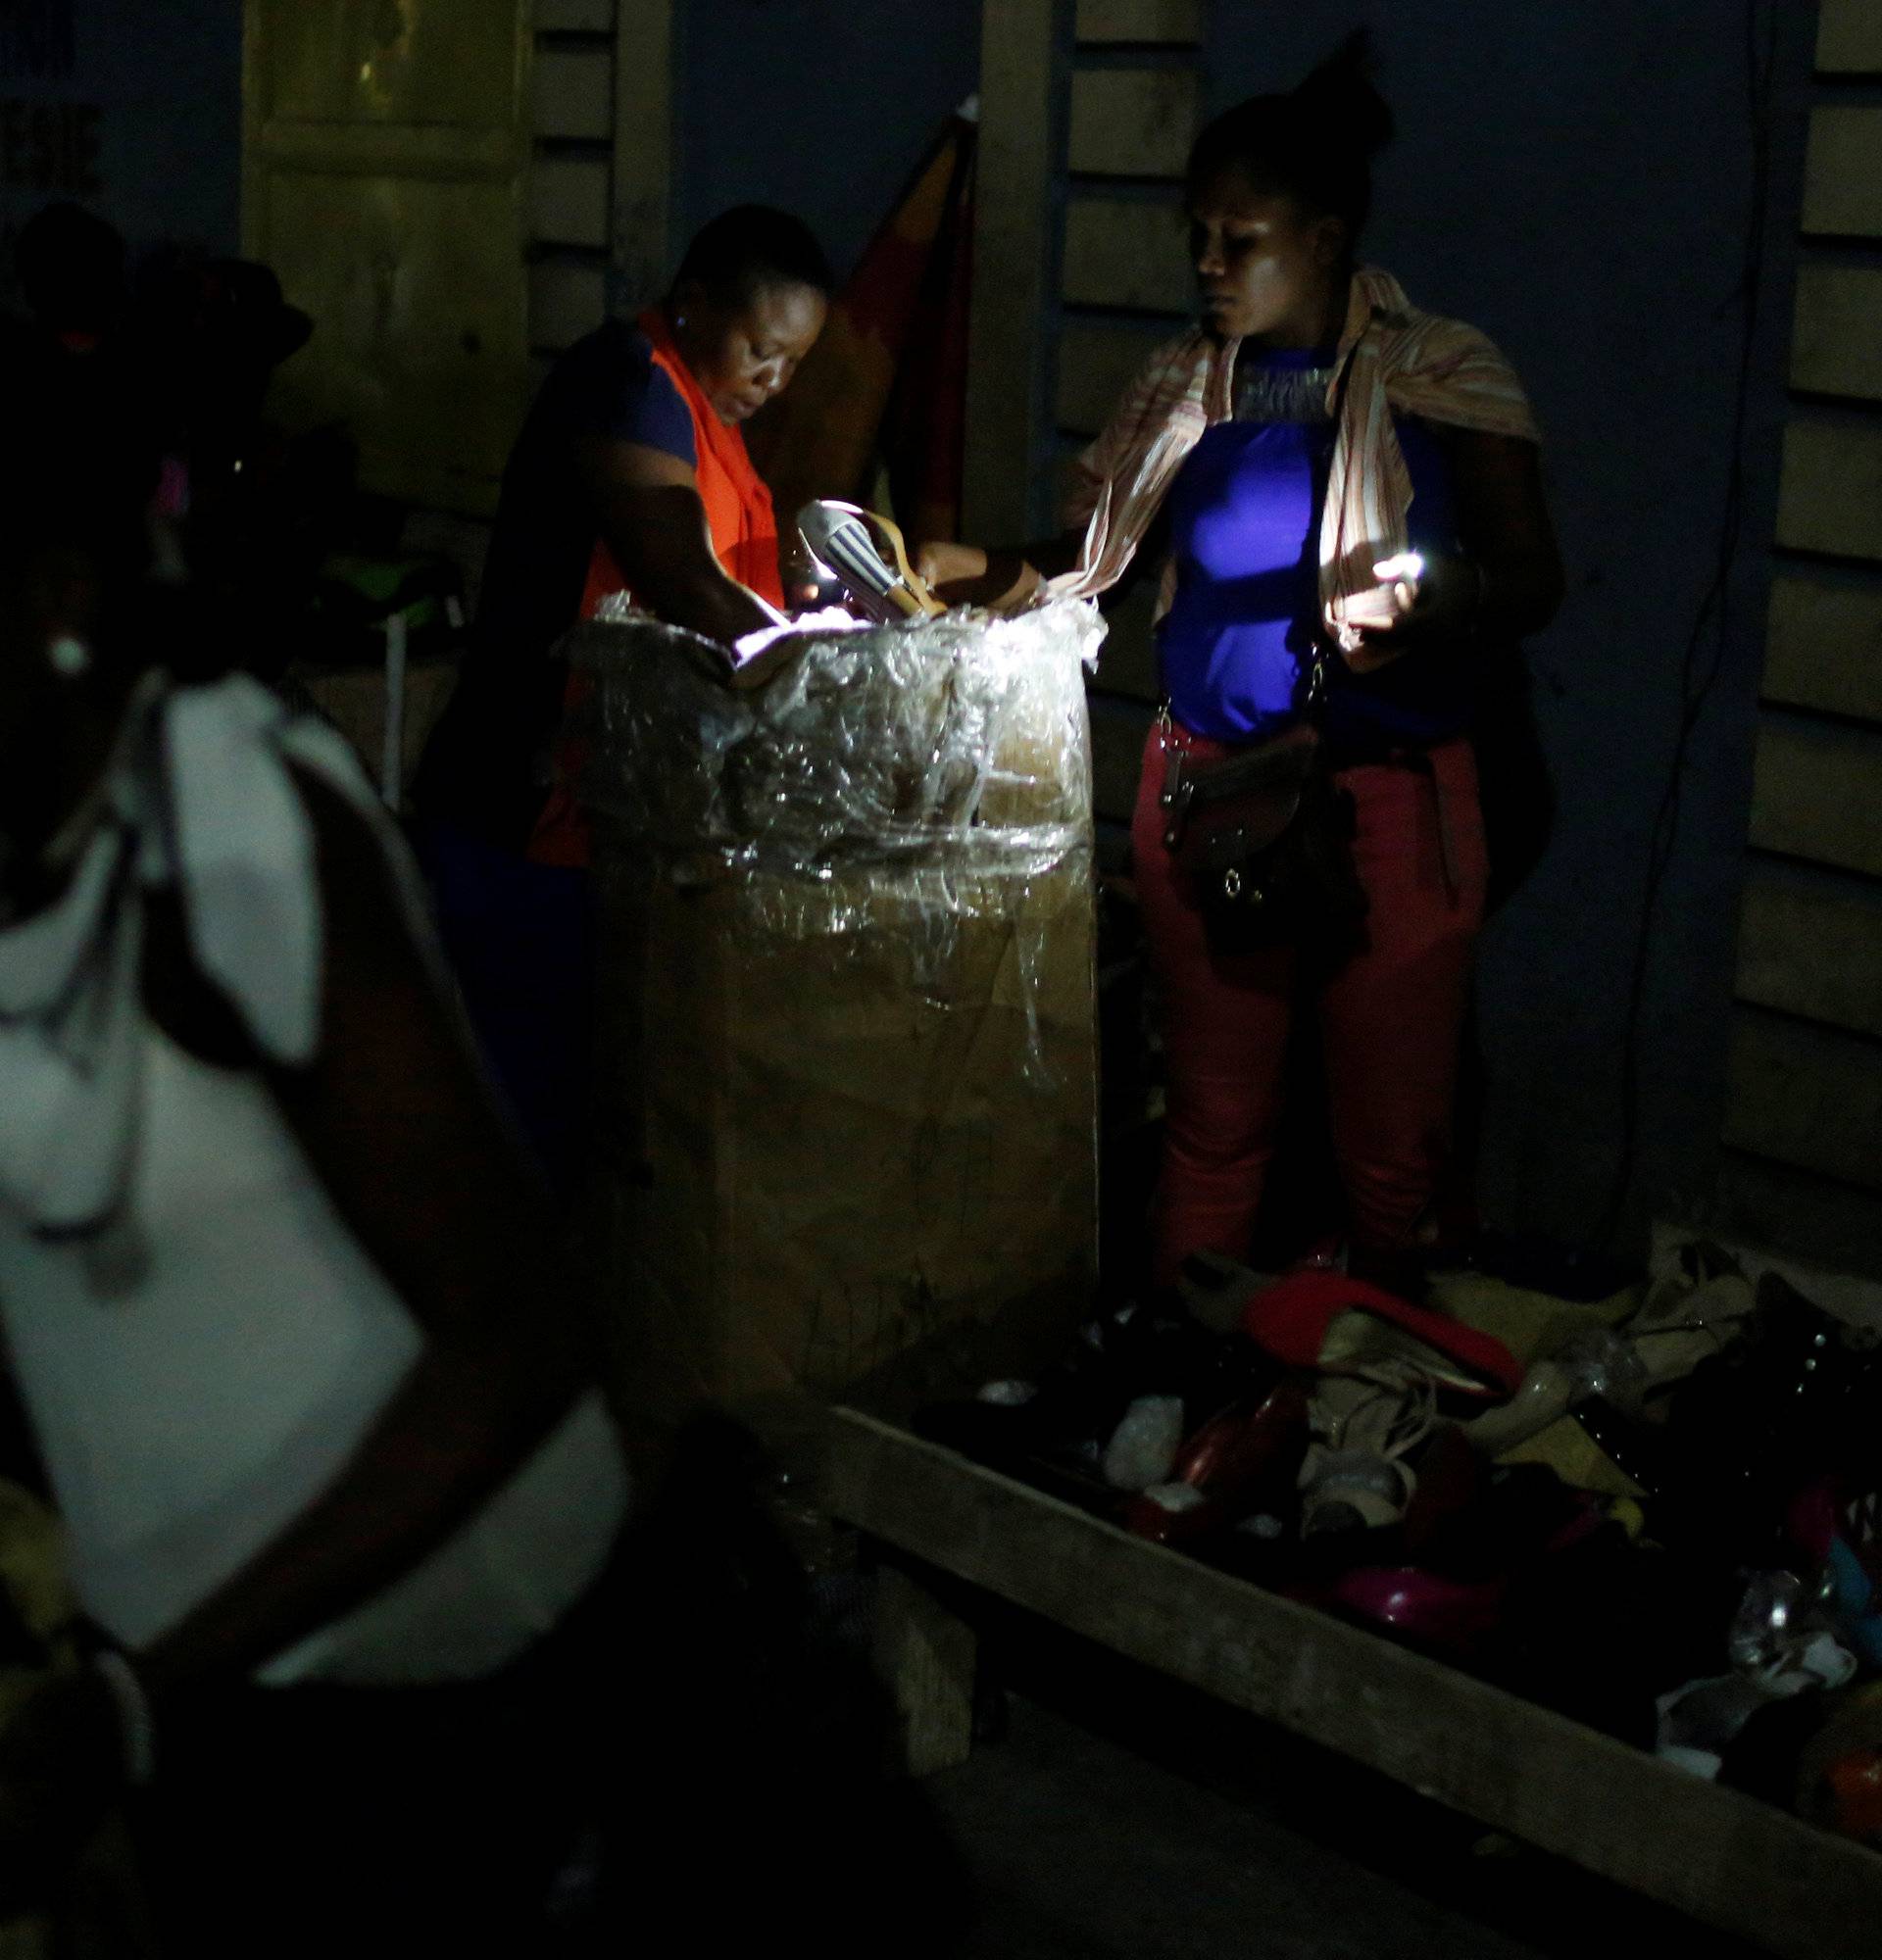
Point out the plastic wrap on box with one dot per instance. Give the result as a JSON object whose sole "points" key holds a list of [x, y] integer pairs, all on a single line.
{"points": [[954, 751], [847, 1073], [962, 736]]}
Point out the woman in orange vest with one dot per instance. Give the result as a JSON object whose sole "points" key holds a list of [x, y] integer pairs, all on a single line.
{"points": [[631, 475]]}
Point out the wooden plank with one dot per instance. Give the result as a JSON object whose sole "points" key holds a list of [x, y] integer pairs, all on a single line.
{"points": [[1012, 220], [1728, 1860], [568, 298], [1836, 341], [572, 94], [568, 200], [1096, 364], [1804, 1096], [1849, 37], [1830, 496], [1823, 645], [1814, 795], [1812, 947], [643, 137], [1128, 255], [925, 1656], [334, 61], [1843, 171], [1153, 23], [1133, 123]]}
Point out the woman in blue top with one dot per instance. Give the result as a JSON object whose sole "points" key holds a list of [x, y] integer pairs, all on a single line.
{"points": [[1294, 452]]}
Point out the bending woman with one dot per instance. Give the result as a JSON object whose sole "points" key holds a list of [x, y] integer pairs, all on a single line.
{"points": [[1312, 430], [630, 477]]}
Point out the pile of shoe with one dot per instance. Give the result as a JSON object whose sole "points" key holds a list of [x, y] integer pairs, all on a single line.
{"points": [[1665, 1523]]}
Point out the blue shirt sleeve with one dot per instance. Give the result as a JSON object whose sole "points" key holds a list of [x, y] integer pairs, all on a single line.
{"points": [[612, 387]]}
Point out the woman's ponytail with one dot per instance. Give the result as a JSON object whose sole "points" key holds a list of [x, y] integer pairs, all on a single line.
{"points": [[1314, 144], [1340, 96]]}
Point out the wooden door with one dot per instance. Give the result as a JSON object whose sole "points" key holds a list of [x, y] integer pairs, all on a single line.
{"points": [[385, 156]]}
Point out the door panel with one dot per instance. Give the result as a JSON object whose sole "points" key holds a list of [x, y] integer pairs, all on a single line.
{"points": [[387, 153], [403, 62]]}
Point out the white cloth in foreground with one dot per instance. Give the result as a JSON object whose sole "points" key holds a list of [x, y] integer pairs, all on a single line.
{"points": [[200, 1340]]}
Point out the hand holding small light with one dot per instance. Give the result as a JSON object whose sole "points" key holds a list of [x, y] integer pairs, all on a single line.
{"points": [[1402, 572], [1375, 627]]}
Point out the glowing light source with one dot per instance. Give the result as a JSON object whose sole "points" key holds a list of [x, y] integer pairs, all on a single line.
{"points": [[1401, 568]]}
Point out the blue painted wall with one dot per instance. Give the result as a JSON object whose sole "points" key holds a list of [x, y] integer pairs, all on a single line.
{"points": [[823, 107], [1577, 180], [133, 110]]}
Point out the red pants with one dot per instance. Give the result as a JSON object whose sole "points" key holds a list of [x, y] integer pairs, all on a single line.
{"points": [[1389, 1018]]}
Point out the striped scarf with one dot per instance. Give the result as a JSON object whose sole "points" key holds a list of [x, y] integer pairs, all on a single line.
{"points": [[1395, 359]]}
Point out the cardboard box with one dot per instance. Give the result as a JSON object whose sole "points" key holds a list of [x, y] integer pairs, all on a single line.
{"points": [[849, 1105]]}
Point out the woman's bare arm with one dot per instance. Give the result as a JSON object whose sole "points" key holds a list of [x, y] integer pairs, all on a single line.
{"points": [[648, 512], [983, 575], [1505, 581], [1504, 528]]}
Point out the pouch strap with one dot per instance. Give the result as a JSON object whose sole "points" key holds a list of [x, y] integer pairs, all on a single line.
{"points": [[1179, 787]]}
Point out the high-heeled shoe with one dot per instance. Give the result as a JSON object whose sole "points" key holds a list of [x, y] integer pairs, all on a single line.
{"points": [[1595, 1363], [1241, 1457], [1457, 1617], [1332, 1321], [1356, 1476], [1694, 1312]]}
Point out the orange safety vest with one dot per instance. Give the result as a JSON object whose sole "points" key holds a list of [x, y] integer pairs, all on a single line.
{"points": [[744, 531]]}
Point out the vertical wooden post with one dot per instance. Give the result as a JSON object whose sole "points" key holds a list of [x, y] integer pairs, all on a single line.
{"points": [[376, 165], [926, 1657], [1797, 1169], [1014, 195], [645, 126]]}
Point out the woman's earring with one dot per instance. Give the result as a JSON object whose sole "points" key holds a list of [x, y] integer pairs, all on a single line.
{"points": [[69, 656]]}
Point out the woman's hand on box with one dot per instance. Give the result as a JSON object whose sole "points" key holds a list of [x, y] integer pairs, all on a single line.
{"points": [[1005, 581], [941, 566]]}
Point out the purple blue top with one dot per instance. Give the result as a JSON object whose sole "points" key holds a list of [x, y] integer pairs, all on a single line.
{"points": [[1244, 529]]}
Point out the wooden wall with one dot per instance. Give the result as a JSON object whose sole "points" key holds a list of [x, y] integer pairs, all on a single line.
{"points": [[602, 117], [493, 184], [382, 179], [1803, 1162], [1081, 268]]}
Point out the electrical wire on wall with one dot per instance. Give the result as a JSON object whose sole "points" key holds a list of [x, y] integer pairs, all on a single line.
{"points": [[1707, 643]]}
